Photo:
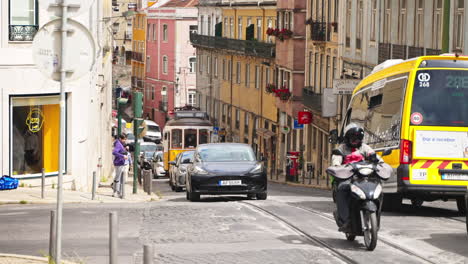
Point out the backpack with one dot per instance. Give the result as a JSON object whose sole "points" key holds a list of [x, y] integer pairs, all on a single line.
{"points": [[8, 183]]}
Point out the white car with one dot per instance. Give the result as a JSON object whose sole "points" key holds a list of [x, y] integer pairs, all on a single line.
{"points": [[158, 165]]}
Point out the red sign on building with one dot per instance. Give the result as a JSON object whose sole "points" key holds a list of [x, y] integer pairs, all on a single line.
{"points": [[304, 117]]}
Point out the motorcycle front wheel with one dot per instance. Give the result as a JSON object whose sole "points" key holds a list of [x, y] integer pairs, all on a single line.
{"points": [[370, 231]]}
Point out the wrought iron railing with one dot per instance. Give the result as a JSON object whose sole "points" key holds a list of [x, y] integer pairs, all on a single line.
{"points": [[319, 31], [245, 47], [311, 100], [22, 32]]}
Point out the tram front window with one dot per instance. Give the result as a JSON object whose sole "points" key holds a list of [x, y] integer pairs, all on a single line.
{"points": [[203, 136], [190, 138], [176, 140]]}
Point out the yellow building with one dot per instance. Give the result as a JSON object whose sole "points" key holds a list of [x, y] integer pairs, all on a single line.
{"points": [[138, 51], [235, 63]]}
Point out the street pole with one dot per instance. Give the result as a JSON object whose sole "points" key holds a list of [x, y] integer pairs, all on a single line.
{"points": [[446, 27], [136, 154], [63, 75]]}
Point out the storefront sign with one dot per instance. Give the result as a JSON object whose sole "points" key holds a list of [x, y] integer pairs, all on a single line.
{"points": [[297, 125], [344, 86], [304, 117], [35, 120], [441, 144]]}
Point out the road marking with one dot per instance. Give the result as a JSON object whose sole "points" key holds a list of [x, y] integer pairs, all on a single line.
{"points": [[17, 213]]}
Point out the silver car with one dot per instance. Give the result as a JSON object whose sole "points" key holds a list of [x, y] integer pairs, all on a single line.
{"points": [[178, 170]]}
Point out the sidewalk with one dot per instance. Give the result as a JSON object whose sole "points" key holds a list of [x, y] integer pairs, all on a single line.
{"points": [[28, 195], [302, 181], [21, 259]]}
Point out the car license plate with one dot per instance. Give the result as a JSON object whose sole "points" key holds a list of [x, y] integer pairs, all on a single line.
{"points": [[230, 183], [455, 177]]}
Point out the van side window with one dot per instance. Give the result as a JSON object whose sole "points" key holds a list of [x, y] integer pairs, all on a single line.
{"points": [[378, 108]]}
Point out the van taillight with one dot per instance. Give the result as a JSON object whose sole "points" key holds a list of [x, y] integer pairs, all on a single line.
{"points": [[405, 151]]}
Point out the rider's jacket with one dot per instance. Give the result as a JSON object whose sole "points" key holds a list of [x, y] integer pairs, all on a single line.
{"points": [[352, 154]]}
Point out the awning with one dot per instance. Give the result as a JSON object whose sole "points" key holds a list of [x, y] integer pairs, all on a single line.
{"points": [[265, 133]]}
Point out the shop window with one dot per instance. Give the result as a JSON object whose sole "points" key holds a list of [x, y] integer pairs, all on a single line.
{"points": [[190, 138], [176, 140], [34, 134]]}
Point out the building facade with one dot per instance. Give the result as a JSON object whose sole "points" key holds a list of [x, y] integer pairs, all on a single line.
{"points": [[122, 31], [138, 51], [235, 62], [30, 101], [170, 59]]}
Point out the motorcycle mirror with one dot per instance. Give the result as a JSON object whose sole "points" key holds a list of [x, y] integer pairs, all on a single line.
{"points": [[387, 152]]}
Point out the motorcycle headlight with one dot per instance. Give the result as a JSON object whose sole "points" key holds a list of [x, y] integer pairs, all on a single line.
{"points": [[378, 191], [365, 171], [199, 171], [257, 169], [356, 190]]}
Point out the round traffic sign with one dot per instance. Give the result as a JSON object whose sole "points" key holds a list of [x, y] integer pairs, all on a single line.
{"points": [[76, 6], [80, 50], [416, 118]]}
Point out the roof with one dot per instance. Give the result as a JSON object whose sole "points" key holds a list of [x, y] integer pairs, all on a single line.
{"points": [[188, 122], [181, 3]]}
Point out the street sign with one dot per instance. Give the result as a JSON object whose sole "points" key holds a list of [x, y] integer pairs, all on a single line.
{"points": [[344, 86], [297, 125], [215, 130], [76, 7], [47, 53]]}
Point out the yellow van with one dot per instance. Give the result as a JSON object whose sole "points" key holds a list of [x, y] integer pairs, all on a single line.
{"points": [[419, 109]]}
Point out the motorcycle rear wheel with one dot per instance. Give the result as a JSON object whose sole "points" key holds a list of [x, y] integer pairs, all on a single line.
{"points": [[370, 232]]}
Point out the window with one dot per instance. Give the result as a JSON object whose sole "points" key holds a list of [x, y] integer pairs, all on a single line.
{"points": [[164, 32], [192, 64], [148, 63], [373, 23], [193, 29], [239, 28], [402, 23], [269, 25], [359, 26], [216, 67], [335, 70], [348, 23], [226, 27], [387, 21], [223, 113], [165, 64], [23, 20], [190, 138], [267, 75], [437, 25], [310, 66], [317, 73], [419, 25], [208, 65], [224, 69], [202, 23], [176, 139], [246, 123], [379, 110], [459, 25], [148, 32], [231, 24], [208, 26], [237, 118], [229, 72], [191, 98], [154, 32], [247, 75], [258, 78], [287, 20], [259, 29], [238, 77], [200, 63], [164, 94], [152, 92], [327, 72]]}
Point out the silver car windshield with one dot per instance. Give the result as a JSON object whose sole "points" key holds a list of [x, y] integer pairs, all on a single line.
{"points": [[226, 153]]}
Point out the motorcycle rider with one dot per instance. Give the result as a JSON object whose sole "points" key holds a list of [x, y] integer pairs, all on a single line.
{"points": [[353, 151]]}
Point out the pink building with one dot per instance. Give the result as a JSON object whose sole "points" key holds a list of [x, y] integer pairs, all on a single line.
{"points": [[170, 58]]}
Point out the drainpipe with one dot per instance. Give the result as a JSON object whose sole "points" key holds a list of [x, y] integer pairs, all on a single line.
{"points": [[446, 27]]}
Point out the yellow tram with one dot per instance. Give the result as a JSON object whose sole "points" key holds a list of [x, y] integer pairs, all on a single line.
{"points": [[185, 131]]}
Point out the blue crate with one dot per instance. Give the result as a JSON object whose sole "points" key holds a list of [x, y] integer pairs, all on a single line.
{"points": [[8, 183]]}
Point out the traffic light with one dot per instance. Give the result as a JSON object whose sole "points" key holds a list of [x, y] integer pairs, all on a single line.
{"points": [[139, 127], [137, 104]]}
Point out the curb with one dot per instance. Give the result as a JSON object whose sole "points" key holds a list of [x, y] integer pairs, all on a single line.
{"points": [[24, 257], [301, 185]]}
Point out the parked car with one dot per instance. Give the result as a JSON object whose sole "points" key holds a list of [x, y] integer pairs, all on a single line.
{"points": [[131, 141], [153, 132], [158, 164], [225, 168], [147, 150], [178, 170]]}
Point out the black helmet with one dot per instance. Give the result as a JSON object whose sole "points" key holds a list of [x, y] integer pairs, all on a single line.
{"points": [[353, 136]]}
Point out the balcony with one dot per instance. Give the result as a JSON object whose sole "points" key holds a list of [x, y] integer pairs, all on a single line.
{"points": [[22, 32], [162, 106], [311, 100], [244, 47], [137, 56], [318, 31]]}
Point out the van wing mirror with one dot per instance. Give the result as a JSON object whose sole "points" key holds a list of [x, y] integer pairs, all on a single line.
{"points": [[333, 138], [387, 152]]}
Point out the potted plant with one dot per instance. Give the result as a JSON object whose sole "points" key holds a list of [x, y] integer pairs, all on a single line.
{"points": [[270, 87]]}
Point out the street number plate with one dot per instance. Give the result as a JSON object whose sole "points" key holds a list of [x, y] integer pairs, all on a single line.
{"points": [[455, 177], [230, 183]]}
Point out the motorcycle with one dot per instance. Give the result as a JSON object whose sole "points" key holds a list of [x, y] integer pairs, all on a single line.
{"points": [[366, 195]]}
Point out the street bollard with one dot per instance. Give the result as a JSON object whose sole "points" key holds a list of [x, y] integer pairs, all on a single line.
{"points": [[148, 254], [147, 181], [113, 237], [52, 237], [42, 183], [93, 194]]}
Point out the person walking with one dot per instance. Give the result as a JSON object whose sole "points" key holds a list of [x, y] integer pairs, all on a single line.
{"points": [[120, 156]]}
